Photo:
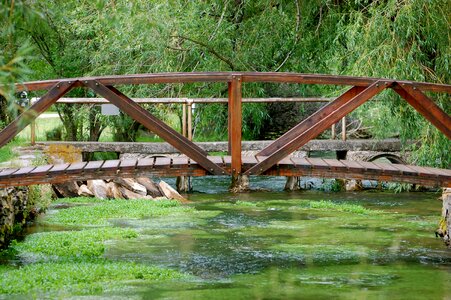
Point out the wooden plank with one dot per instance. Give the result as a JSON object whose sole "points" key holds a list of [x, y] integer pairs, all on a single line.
{"points": [[78, 100], [351, 103], [146, 162], [285, 161], [227, 161], [29, 115], [352, 166], [385, 166], [302, 163], [23, 171], [317, 162], [58, 169], [423, 172], [249, 160], [217, 160], [110, 165], [40, 170], [180, 162], [128, 165], [162, 162], [334, 164], [155, 125], [405, 169], [235, 124], [370, 166], [388, 168], [446, 171], [426, 107], [93, 165], [77, 167], [226, 76], [436, 171]]}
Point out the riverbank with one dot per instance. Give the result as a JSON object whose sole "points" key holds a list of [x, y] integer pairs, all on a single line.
{"points": [[276, 245]]}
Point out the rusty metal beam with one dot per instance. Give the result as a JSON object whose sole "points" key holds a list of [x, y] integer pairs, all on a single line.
{"points": [[284, 149], [157, 126], [426, 107], [57, 91]]}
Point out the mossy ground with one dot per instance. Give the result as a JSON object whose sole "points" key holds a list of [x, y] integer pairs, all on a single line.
{"points": [[71, 261]]}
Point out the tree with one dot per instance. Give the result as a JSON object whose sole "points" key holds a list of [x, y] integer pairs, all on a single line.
{"points": [[394, 39]]}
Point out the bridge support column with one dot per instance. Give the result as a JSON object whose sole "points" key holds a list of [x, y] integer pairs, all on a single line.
{"points": [[183, 184], [239, 184], [292, 184], [444, 230]]}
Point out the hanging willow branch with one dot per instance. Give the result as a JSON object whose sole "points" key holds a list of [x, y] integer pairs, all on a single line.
{"points": [[208, 48], [296, 36]]}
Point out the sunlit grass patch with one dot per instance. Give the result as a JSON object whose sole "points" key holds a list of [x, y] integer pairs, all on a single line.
{"points": [[7, 153], [79, 278], [101, 211], [73, 245]]}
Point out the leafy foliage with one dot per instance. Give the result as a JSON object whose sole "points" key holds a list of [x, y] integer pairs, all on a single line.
{"points": [[394, 39]]}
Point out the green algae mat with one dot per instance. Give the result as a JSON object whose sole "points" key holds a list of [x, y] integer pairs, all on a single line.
{"points": [[305, 245]]}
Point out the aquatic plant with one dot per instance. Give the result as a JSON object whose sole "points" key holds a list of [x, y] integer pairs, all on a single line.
{"points": [[345, 207], [100, 212], [72, 245], [46, 280]]}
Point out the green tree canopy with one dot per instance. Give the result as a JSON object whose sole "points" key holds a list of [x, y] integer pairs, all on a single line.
{"points": [[388, 38]]}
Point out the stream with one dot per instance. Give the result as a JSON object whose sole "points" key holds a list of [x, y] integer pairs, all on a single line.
{"points": [[278, 245]]}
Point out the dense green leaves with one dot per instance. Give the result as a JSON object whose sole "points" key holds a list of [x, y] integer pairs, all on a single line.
{"points": [[394, 39]]}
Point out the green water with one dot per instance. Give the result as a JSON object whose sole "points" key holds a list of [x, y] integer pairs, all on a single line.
{"points": [[266, 245]]}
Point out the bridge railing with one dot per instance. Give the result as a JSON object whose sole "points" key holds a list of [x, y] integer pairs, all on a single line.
{"points": [[362, 89], [187, 108]]}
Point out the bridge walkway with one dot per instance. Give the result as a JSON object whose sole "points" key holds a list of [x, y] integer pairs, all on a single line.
{"points": [[184, 166]]}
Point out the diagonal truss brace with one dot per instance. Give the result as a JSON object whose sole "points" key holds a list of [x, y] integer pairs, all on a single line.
{"points": [[316, 124], [152, 123], [425, 106], [29, 115], [313, 119]]}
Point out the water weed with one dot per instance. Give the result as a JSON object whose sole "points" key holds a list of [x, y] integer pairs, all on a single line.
{"points": [[67, 278], [100, 212], [344, 207], [73, 245]]}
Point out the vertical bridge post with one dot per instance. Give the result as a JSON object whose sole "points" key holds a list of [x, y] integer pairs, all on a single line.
{"points": [[235, 122]]}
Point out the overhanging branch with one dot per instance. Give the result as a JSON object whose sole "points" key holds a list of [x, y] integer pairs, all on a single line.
{"points": [[208, 48]]}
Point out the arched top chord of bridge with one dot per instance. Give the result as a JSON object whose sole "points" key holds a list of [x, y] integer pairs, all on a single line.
{"points": [[272, 160]]}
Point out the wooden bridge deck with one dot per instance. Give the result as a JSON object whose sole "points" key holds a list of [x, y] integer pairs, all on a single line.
{"points": [[183, 166], [271, 160]]}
